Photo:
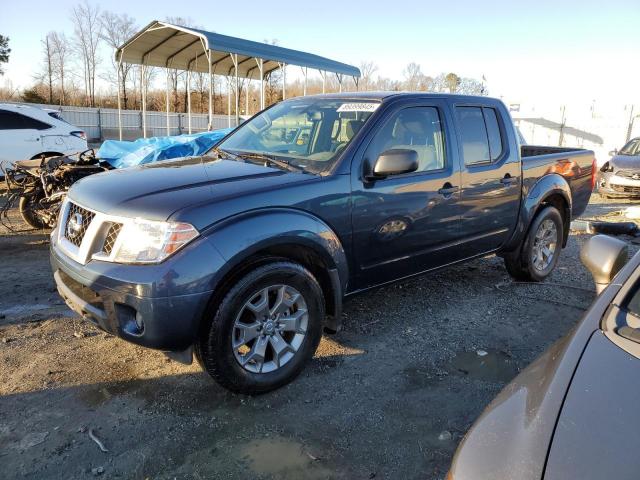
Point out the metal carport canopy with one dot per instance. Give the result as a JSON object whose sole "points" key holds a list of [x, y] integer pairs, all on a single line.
{"points": [[166, 45]]}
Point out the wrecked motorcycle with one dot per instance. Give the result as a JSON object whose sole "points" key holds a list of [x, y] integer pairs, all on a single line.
{"points": [[40, 185]]}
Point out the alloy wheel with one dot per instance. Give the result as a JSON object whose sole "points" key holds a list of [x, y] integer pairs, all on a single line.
{"points": [[270, 328]]}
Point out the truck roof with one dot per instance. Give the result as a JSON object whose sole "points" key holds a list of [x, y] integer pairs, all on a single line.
{"points": [[382, 95]]}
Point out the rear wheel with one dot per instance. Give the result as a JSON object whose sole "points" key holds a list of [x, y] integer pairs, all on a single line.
{"points": [[541, 248], [260, 336], [30, 211]]}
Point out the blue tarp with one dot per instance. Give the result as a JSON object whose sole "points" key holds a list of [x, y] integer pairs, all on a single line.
{"points": [[122, 154]]}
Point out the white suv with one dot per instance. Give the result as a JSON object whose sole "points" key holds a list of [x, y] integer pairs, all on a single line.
{"points": [[27, 132]]}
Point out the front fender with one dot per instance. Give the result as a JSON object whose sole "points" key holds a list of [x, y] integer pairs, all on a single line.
{"points": [[546, 187], [242, 236]]}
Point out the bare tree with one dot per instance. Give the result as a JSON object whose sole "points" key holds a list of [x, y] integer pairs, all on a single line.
{"points": [[60, 54], [415, 79], [48, 64], [115, 31], [367, 70], [471, 86], [87, 32]]}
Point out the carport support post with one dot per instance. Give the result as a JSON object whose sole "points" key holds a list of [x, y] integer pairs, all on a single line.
{"points": [[210, 123], [261, 70], [323, 74], [119, 101], [189, 100], [304, 89], [229, 101], [246, 97], [339, 82], [236, 88], [167, 103], [144, 101], [283, 66]]}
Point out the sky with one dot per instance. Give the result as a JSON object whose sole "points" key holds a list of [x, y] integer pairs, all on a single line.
{"points": [[544, 52]]}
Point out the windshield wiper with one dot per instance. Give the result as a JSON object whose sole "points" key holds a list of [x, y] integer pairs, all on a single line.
{"points": [[225, 153], [267, 159]]}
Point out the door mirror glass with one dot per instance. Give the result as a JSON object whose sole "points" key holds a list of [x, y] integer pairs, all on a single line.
{"points": [[395, 162], [604, 257]]}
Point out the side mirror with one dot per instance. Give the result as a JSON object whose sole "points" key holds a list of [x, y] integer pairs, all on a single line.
{"points": [[604, 257], [613, 153], [395, 162]]}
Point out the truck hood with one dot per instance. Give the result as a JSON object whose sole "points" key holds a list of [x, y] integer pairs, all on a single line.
{"points": [[157, 191]]}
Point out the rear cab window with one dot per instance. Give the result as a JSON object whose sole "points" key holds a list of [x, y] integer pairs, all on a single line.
{"points": [[480, 134]]}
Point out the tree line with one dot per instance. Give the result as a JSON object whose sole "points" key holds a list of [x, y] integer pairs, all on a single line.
{"points": [[73, 64]]}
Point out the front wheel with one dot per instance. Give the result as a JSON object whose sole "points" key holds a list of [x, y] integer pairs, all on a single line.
{"points": [[265, 329], [541, 248]]}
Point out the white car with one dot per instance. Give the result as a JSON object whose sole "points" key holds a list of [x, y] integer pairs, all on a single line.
{"points": [[28, 132]]}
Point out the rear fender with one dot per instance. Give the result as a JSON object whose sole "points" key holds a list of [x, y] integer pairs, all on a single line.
{"points": [[548, 186]]}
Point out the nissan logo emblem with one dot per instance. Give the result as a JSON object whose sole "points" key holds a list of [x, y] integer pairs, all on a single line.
{"points": [[74, 225]]}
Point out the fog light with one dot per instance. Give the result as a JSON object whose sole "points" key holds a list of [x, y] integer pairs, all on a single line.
{"points": [[130, 320]]}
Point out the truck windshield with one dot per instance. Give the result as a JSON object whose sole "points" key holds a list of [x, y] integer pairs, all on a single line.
{"points": [[309, 134]]}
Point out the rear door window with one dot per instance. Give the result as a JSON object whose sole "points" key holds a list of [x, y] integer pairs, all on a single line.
{"points": [[480, 134], [9, 121], [493, 132], [15, 121]]}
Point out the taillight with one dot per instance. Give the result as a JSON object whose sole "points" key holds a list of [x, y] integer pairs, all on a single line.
{"points": [[594, 169], [79, 134]]}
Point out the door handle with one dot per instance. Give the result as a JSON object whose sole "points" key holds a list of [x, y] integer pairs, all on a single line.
{"points": [[447, 189], [508, 180]]}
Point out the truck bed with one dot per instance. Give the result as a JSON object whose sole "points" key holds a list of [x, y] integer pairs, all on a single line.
{"points": [[574, 164]]}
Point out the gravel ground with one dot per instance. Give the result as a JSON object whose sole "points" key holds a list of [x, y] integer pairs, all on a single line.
{"points": [[389, 397]]}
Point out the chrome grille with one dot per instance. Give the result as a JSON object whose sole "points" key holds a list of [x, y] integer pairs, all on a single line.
{"points": [[626, 189], [111, 237], [634, 174], [78, 220]]}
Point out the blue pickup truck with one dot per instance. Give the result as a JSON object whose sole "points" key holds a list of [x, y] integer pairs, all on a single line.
{"points": [[244, 256]]}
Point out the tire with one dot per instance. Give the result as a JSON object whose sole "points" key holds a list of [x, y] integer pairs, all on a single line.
{"points": [[532, 263], [29, 214], [239, 366]]}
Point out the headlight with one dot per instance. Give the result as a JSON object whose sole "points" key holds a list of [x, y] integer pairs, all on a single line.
{"points": [[144, 241], [607, 167]]}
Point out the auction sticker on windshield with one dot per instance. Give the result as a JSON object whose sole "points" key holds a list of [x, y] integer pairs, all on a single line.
{"points": [[358, 107]]}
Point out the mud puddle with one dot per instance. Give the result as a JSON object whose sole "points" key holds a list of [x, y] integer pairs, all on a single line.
{"points": [[487, 365]]}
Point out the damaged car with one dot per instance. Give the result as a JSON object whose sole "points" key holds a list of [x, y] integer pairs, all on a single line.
{"points": [[620, 176]]}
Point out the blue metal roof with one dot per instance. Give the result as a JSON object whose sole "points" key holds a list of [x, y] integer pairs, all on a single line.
{"points": [[166, 45]]}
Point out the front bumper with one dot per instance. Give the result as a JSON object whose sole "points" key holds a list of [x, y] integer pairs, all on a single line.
{"points": [[617, 186], [168, 323]]}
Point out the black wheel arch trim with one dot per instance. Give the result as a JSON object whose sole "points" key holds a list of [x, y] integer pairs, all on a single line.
{"points": [[548, 187], [276, 232]]}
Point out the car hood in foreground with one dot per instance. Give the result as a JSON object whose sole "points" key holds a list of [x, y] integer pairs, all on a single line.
{"points": [[599, 429], [626, 162], [156, 191]]}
